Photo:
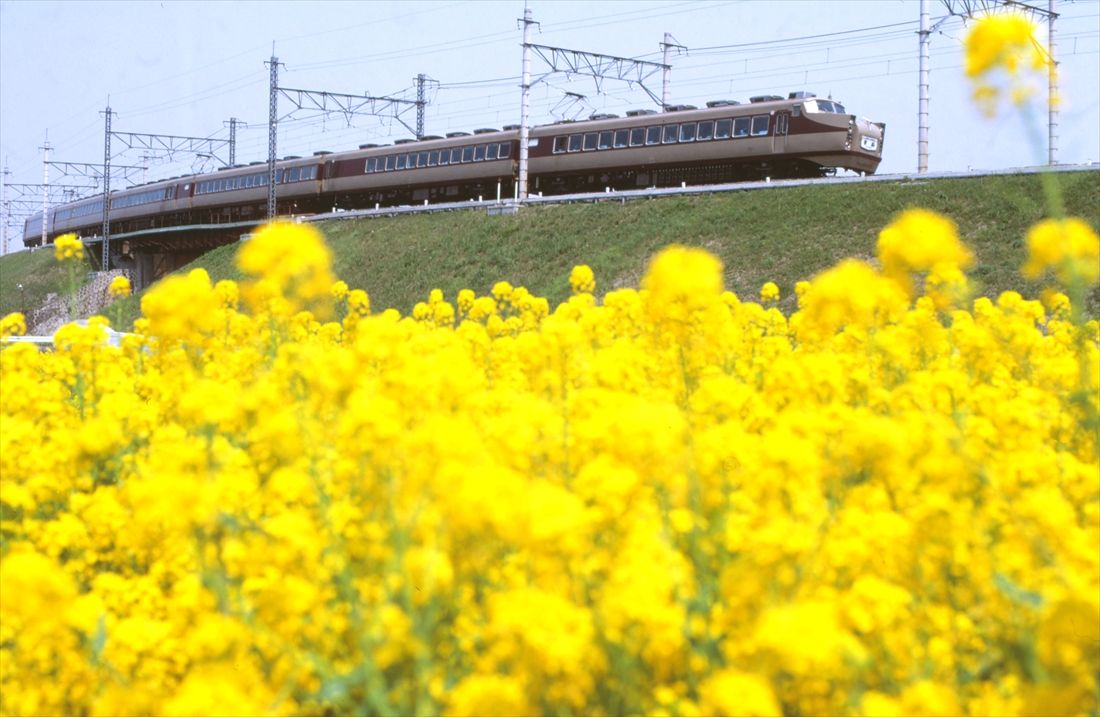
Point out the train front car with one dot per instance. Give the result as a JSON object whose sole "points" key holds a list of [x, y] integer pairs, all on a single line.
{"points": [[821, 132], [768, 137], [32, 230]]}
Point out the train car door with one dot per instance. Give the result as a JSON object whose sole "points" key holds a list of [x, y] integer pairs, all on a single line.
{"points": [[779, 136]]}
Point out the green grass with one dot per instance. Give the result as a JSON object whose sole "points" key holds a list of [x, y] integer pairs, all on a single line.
{"points": [[40, 274], [781, 235]]}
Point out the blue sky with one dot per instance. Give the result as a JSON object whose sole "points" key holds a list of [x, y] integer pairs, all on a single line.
{"points": [[185, 68]]}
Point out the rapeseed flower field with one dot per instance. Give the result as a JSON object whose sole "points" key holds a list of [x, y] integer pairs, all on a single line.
{"points": [[273, 499]]}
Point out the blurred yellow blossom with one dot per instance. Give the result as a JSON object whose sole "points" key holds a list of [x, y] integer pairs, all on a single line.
{"points": [[1067, 247], [119, 287], [68, 247], [1003, 56]]}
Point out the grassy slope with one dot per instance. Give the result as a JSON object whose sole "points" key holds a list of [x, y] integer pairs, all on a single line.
{"points": [[40, 274], [781, 235]]}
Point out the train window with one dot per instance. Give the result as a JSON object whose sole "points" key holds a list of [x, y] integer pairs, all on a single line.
{"points": [[560, 144], [622, 136], [722, 128], [433, 158], [605, 139], [671, 130], [706, 131], [839, 108], [505, 150], [759, 125], [741, 127], [637, 137], [467, 154], [294, 173], [400, 162], [456, 155], [371, 164], [479, 153], [575, 141], [687, 132], [422, 159], [312, 172], [653, 135], [491, 151], [390, 162], [590, 141], [444, 156]]}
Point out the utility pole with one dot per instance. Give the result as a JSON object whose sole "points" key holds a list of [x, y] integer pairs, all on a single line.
{"points": [[1052, 88], [272, 122], [524, 107], [4, 203], [145, 166], [420, 105], [922, 110], [233, 122], [666, 73], [46, 184], [106, 189]]}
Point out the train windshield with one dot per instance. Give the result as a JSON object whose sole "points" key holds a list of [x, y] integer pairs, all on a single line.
{"points": [[824, 106]]}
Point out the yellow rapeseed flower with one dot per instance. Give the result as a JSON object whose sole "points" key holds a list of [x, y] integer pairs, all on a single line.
{"points": [[1003, 41], [582, 280], [1004, 57], [12, 325], [1067, 247], [119, 287], [916, 241], [68, 247]]}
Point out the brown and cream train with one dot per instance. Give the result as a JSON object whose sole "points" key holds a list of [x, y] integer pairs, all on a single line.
{"points": [[770, 136]]}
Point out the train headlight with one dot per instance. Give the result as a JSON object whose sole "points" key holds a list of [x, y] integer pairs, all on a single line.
{"points": [[869, 143]]}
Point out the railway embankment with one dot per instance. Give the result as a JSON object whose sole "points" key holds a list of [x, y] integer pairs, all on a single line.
{"points": [[782, 236]]}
